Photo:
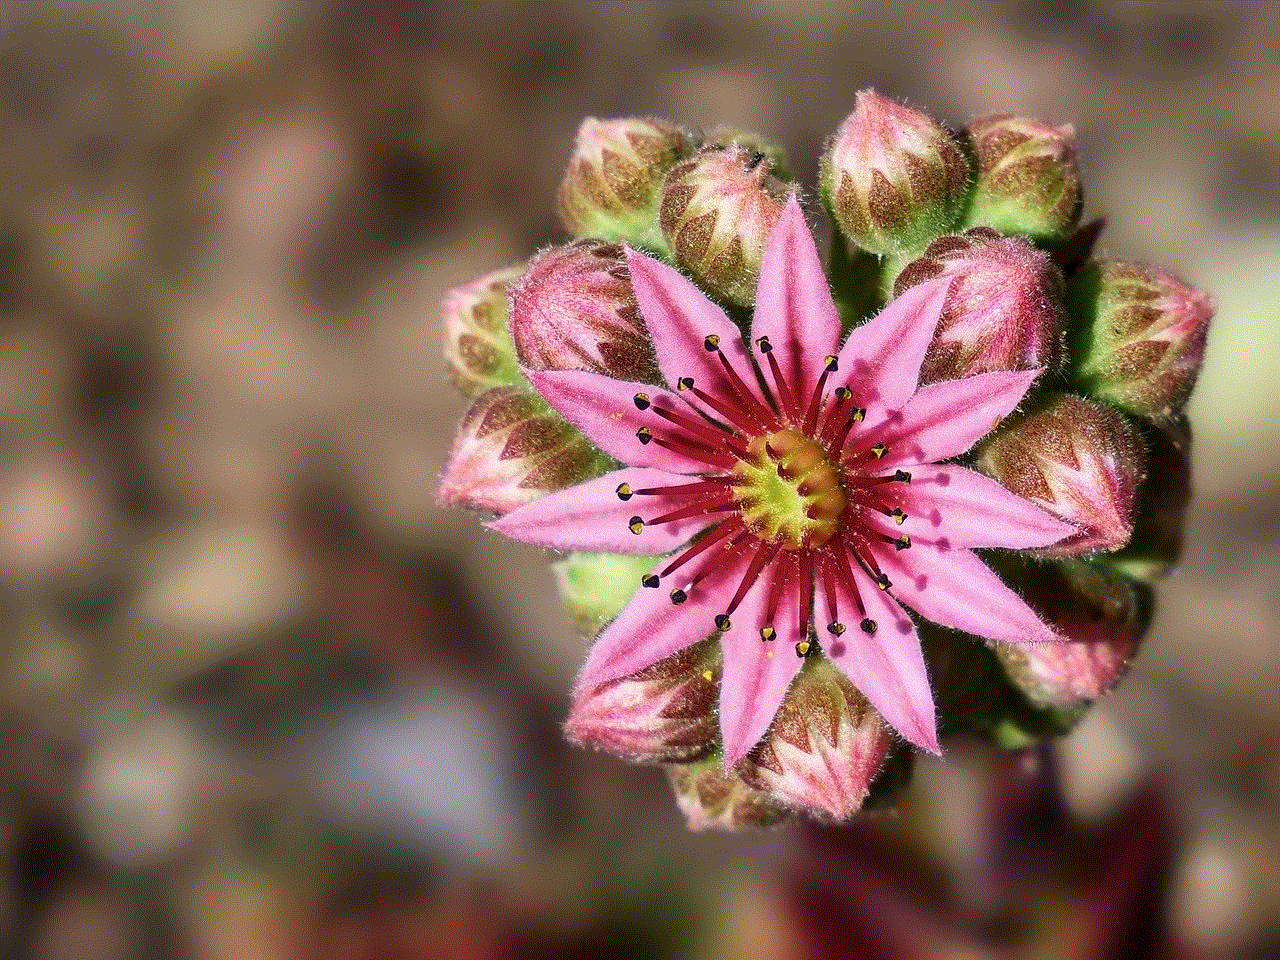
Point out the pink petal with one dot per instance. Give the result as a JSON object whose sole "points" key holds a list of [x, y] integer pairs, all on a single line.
{"points": [[605, 410], [955, 589], [757, 673], [880, 361], [953, 507], [794, 308], [886, 666], [651, 627], [591, 516], [945, 419], [680, 318]]}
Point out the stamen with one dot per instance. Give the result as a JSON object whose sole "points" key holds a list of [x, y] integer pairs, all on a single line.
{"points": [[900, 543], [678, 596], [764, 554], [806, 591], [708, 506], [713, 536], [738, 418], [688, 448], [701, 431], [825, 566], [750, 403], [856, 415], [683, 489], [649, 580], [815, 401], [785, 399]]}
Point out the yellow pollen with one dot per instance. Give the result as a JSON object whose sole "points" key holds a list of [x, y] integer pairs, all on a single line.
{"points": [[789, 492]]}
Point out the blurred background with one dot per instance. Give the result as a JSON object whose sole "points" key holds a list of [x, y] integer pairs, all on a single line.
{"points": [[261, 698]]}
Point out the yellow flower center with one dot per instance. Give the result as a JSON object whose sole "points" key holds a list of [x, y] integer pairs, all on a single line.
{"points": [[788, 491]]}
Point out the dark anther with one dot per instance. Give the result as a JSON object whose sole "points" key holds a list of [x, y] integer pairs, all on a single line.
{"points": [[868, 625], [902, 476], [802, 648], [624, 491], [642, 401], [898, 515], [835, 629], [764, 345], [843, 393], [879, 450], [650, 580], [767, 633], [644, 435], [902, 542], [684, 383], [723, 623], [883, 582], [636, 525], [678, 596], [712, 342], [832, 364]]}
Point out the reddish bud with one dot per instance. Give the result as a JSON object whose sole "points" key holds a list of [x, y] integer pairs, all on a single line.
{"points": [[574, 309], [477, 344], [824, 749], [1101, 617], [710, 799], [1027, 178], [1080, 460], [1139, 336], [893, 177], [611, 187], [718, 209], [666, 712], [1002, 312], [511, 448]]}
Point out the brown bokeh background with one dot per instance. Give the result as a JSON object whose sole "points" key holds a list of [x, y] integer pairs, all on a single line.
{"points": [[260, 697]]}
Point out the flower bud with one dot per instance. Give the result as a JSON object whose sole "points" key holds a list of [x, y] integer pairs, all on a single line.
{"points": [[1162, 505], [824, 749], [1139, 336], [710, 799], [574, 309], [666, 712], [893, 177], [511, 448], [1102, 618], [477, 344], [1028, 181], [1078, 459], [612, 184], [1002, 312], [718, 209]]}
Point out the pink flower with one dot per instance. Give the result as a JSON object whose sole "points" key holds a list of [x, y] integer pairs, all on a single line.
{"points": [[796, 482]]}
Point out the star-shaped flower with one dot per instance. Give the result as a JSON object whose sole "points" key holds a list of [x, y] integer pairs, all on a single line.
{"points": [[801, 489]]}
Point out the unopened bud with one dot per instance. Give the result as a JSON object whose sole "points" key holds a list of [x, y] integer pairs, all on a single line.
{"points": [[710, 799], [1162, 505], [574, 309], [893, 177], [1139, 336], [511, 448], [1101, 617], [666, 712], [1027, 178], [612, 185], [825, 746], [718, 209], [477, 344], [1080, 460], [1002, 312]]}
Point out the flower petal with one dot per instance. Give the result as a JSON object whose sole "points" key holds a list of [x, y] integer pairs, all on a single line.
{"points": [[680, 318], [794, 308], [945, 419], [606, 411], [591, 516], [757, 673], [887, 665], [651, 627], [880, 361], [953, 508], [953, 588]]}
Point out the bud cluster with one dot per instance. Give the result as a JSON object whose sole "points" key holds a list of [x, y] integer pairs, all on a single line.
{"points": [[1101, 441]]}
